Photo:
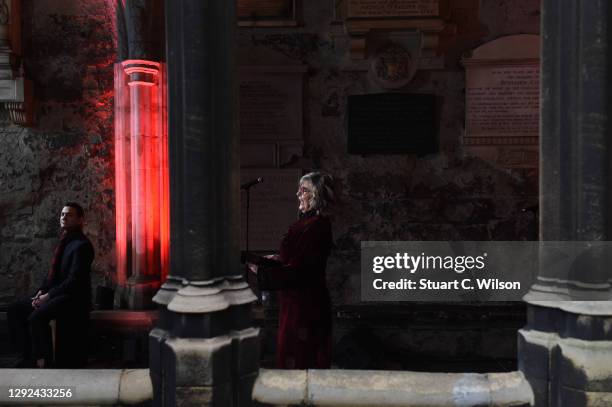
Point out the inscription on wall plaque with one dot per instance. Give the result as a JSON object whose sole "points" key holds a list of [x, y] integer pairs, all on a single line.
{"points": [[502, 97], [273, 208], [265, 10], [502, 104], [271, 103], [393, 8], [392, 123]]}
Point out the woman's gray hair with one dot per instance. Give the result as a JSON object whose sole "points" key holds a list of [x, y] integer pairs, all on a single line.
{"points": [[323, 193]]}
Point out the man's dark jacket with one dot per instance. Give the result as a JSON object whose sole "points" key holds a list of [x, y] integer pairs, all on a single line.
{"points": [[72, 277]]}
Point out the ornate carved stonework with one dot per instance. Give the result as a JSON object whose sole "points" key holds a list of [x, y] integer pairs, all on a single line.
{"points": [[15, 90], [362, 17], [393, 67], [393, 8]]}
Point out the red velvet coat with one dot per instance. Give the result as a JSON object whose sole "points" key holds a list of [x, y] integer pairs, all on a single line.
{"points": [[304, 334]]}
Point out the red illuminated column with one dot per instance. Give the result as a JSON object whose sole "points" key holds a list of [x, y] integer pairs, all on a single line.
{"points": [[141, 162]]}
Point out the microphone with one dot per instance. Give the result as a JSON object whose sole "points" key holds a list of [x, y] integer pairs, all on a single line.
{"points": [[249, 184]]}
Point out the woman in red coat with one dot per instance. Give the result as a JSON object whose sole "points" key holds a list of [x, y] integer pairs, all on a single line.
{"points": [[304, 334]]}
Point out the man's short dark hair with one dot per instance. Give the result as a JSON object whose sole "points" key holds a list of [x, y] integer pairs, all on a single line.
{"points": [[77, 207]]}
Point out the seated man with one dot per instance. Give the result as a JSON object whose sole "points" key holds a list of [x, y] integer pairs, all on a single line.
{"points": [[65, 292]]}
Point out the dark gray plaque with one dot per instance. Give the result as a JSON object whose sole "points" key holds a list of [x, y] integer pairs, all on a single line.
{"points": [[265, 10], [392, 123]]}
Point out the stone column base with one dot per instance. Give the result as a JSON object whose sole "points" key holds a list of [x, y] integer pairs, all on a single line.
{"points": [[137, 295], [245, 364], [197, 371], [157, 337], [567, 356], [215, 372]]}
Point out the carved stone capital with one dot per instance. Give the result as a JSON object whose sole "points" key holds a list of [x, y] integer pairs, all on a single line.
{"points": [[141, 72]]}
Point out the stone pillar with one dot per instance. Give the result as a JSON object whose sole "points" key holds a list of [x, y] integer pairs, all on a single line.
{"points": [[207, 347], [565, 351], [141, 155], [147, 179], [158, 336]]}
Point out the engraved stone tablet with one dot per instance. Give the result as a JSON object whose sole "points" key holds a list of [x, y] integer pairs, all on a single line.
{"points": [[502, 96], [392, 123], [266, 13], [271, 102], [502, 103], [264, 9], [393, 8], [273, 207]]}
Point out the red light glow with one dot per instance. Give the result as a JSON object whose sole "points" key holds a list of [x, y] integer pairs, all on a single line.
{"points": [[141, 172]]}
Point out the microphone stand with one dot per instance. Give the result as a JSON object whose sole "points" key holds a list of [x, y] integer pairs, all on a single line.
{"points": [[248, 204], [247, 189]]}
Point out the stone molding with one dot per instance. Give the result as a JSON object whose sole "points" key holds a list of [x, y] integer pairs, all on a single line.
{"points": [[89, 386], [390, 388], [16, 92]]}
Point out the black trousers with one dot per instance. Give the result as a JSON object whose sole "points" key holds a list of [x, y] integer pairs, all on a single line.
{"points": [[29, 327]]}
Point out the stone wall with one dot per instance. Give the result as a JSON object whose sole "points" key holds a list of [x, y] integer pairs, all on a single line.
{"points": [[444, 196], [449, 195], [69, 50]]}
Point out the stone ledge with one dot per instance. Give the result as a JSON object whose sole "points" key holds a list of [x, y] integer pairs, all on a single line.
{"points": [[116, 319], [89, 386], [595, 308], [124, 321], [361, 388]]}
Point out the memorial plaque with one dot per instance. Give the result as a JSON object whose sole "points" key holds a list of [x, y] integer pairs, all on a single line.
{"points": [[393, 8], [271, 103], [273, 208], [392, 123], [265, 9], [502, 102]]}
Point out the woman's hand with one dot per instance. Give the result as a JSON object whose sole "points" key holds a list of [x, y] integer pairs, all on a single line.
{"points": [[40, 300], [273, 257], [252, 268]]}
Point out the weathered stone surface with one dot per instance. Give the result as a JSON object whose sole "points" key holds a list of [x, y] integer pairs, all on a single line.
{"points": [[401, 197], [562, 369], [522, 16], [245, 351], [203, 396], [68, 53], [446, 196], [535, 352], [135, 387], [69, 154], [157, 337], [385, 388], [88, 386], [585, 365], [571, 397], [287, 388], [197, 362]]}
